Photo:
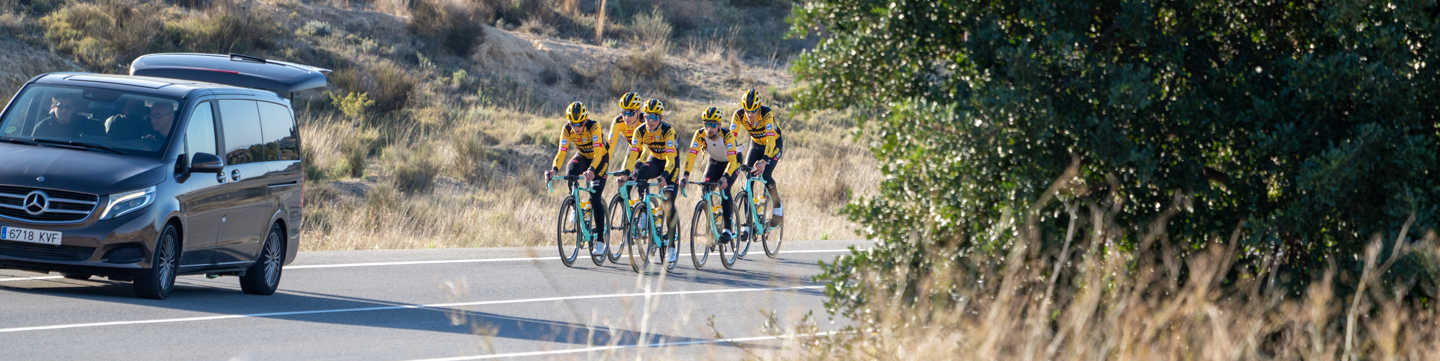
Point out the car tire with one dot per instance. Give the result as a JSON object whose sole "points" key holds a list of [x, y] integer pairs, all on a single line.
{"points": [[263, 277], [160, 280]]}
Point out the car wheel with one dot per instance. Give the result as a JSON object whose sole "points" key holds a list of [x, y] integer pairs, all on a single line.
{"points": [[263, 278], [158, 283]]}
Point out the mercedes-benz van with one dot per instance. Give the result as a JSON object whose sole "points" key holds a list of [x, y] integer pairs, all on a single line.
{"points": [[189, 165]]}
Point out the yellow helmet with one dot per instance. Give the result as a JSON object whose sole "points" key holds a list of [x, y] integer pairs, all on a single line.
{"points": [[575, 113], [751, 101], [712, 115], [654, 106], [630, 101]]}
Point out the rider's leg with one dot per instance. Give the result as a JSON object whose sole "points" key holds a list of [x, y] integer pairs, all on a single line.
{"points": [[772, 186], [713, 173]]}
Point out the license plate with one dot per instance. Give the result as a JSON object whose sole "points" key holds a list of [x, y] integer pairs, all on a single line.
{"points": [[30, 235]]}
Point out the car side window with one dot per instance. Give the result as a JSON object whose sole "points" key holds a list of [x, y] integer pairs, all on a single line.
{"points": [[241, 122], [200, 133], [278, 129]]}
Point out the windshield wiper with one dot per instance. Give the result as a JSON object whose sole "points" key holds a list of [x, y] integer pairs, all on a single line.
{"points": [[18, 141], [80, 144]]}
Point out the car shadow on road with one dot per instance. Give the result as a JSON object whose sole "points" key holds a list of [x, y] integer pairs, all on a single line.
{"points": [[201, 298]]}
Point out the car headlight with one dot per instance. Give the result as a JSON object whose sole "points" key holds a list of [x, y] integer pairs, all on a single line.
{"points": [[123, 203]]}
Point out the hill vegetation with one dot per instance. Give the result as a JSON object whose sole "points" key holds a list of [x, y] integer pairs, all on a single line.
{"points": [[442, 113]]}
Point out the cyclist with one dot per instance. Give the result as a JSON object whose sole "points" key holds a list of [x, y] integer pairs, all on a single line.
{"points": [[657, 140], [759, 121], [720, 146], [592, 158], [623, 127]]}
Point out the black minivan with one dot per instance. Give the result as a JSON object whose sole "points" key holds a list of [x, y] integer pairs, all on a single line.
{"points": [[189, 165]]}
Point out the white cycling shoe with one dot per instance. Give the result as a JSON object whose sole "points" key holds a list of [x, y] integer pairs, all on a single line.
{"points": [[674, 255], [599, 249]]}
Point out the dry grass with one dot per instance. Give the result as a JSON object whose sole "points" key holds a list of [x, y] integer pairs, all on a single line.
{"points": [[1076, 295]]}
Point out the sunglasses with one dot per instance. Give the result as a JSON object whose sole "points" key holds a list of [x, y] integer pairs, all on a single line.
{"points": [[712, 125], [652, 117], [751, 111], [628, 113]]}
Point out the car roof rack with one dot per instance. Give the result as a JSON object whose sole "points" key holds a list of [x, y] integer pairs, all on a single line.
{"points": [[233, 69]]}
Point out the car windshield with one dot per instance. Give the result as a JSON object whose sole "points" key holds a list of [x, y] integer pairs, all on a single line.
{"points": [[91, 118]]}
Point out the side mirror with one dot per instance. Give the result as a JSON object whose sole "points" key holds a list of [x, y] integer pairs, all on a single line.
{"points": [[206, 163]]}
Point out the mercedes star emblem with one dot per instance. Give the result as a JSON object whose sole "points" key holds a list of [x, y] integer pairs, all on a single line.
{"points": [[36, 203]]}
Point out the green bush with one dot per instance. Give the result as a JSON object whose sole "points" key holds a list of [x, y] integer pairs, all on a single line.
{"points": [[227, 26], [1302, 131], [456, 27], [316, 28], [353, 104], [104, 36]]}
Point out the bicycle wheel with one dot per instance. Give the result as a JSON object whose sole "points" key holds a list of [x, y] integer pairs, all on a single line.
{"points": [[617, 222], [599, 238], [773, 236], [726, 250], [745, 222], [672, 244], [567, 225], [701, 236], [637, 238]]}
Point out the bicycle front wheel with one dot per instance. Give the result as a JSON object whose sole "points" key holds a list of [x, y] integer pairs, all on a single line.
{"points": [[701, 236], [617, 222], [637, 239], [745, 221], [773, 236], [567, 232]]}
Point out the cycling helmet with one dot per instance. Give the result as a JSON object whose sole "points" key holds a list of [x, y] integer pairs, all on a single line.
{"points": [[751, 101], [654, 106], [575, 113], [711, 115], [630, 101]]}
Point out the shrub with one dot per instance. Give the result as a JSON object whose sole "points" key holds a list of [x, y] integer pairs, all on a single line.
{"points": [[651, 29], [227, 26], [104, 35], [316, 28], [537, 26], [454, 26], [414, 169], [392, 86], [645, 62], [353, 104], [549, 76]]}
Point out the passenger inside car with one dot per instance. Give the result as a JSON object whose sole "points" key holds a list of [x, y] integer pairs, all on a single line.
{"points": [[162, 116], [130, 123], [64, 123]]}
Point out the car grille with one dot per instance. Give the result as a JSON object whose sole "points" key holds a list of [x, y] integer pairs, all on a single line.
{"points": [[45, 252], [62, 207]]}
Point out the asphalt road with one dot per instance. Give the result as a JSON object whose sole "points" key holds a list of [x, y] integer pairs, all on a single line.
{"points": [[426, 304]]}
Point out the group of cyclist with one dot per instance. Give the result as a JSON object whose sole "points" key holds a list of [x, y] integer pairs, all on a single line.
{"points": [[653, 154]]}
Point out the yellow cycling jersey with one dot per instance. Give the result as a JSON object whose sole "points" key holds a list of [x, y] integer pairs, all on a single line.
{"points": [[588, 142], [715, 148], [647, 143], [619, 130], [763, 132]]}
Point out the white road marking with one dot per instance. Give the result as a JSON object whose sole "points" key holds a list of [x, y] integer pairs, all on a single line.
{"points": [[30, 278], [616, 347], [484, 260], [395, 307]]}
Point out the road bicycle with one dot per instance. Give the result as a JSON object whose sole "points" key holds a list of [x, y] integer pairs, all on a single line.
{"points": [[754, 214], [705, 228], [574, 219], [643, 236]]}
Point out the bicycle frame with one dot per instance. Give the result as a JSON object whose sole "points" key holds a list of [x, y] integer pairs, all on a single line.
{"points": [[647, 198], [715, 198], [750, 180], [581, 224]]}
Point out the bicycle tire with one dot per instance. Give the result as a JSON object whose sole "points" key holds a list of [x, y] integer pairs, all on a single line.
{"points": [[617, 222], [742, 242], [727, 261], [600, 238], [567, 209], [773, 236], [700, 253], [637, 236]]}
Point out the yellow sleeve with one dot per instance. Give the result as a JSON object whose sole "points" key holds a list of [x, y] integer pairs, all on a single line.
{"points": [[598, 152], [771, 134], [672, 159], [634, 154], [564, 148], [730, 154], [689, 163], [615, 135]]}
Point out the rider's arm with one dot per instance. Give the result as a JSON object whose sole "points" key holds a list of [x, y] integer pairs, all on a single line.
{"points": [[730, 156], [564, 148], [689, 163], [599, 149], [616, 135], [672, 158], [634, 154], [772, 146]]}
